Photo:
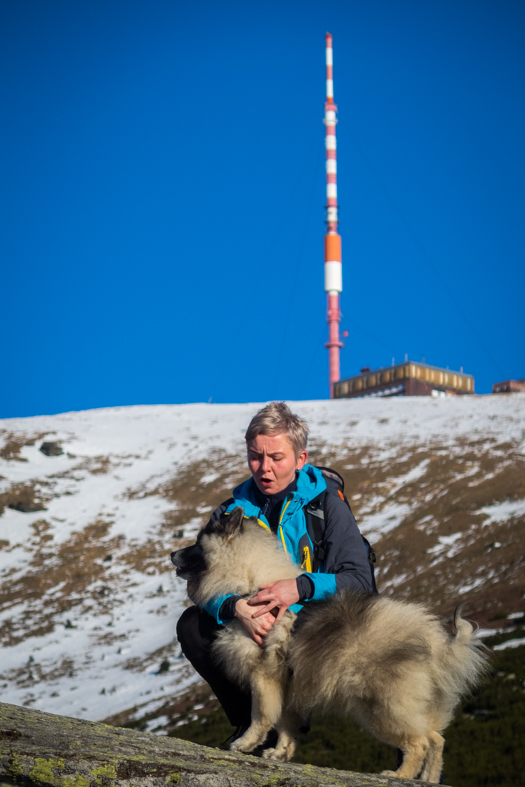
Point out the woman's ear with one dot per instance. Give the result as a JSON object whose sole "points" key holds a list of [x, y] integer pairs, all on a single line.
{"points": [[301, 461]]}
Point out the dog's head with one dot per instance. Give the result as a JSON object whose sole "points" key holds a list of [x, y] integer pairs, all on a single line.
{"points": [[193, 562]]}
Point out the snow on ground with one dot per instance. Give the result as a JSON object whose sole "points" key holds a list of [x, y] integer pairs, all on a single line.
{"points": [[510, 643], [98, 685], [375, 525], [94, 661], [502, 512]]}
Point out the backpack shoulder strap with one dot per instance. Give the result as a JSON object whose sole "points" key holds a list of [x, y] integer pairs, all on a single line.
{"points": [[371, 560], [314, 514], [315, 525]]}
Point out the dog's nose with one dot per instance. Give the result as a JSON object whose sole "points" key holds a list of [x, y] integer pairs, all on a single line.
{"points": [[174, 557]]}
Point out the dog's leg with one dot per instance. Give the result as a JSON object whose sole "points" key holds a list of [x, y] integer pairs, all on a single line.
{"points": [[434, 760], [287, 730], [414, 753], [266, 710]]}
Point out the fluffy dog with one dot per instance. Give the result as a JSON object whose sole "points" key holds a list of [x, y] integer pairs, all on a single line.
{"points": [[389, 664]]}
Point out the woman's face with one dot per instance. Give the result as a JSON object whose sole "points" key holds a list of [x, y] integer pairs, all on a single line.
{"points": [[273, 463]]}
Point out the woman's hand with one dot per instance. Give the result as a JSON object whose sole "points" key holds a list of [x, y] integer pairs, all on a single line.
{"points": [[278, 596], [258, 626]]}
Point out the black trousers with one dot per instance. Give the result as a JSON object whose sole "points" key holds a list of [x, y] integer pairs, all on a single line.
{"points": [[196, 631]]}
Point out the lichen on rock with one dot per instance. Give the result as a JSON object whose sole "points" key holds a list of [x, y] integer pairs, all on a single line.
{"points": [[45, 750]]}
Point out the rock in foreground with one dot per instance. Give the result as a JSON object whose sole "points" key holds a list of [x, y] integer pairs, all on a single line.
{"points": [[43, 749]]}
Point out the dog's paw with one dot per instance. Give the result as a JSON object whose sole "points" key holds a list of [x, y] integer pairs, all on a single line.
{"points": [[281, 755], [389, 773], [238, 745]]}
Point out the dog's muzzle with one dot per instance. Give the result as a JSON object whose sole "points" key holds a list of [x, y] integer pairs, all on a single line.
{"points": [[188, 565]]}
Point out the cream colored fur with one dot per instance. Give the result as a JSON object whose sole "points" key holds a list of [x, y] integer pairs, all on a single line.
{"points": [[389, 664]]}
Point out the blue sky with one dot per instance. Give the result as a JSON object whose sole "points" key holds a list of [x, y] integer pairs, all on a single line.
{"points": [[163, 197]]}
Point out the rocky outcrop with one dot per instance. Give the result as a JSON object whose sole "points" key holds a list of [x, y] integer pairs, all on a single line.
{"points": [[43, 749], [51, 449]]}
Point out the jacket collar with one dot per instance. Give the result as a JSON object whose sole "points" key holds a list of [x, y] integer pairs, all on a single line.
{"points": [[309, 483], [261, 499]]}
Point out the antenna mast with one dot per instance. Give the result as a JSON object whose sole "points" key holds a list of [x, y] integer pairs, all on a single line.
{"points": [[333, 276]]}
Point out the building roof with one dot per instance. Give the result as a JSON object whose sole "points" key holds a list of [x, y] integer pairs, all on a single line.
{"points": [[392, 380]]}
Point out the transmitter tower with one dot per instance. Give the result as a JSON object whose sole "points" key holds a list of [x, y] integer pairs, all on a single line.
{"points": [[333, 276]]}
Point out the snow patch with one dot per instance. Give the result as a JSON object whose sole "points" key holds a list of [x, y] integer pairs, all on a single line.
{"points": [[444, 542], [510, 643], [375, 525], [501, 512]]}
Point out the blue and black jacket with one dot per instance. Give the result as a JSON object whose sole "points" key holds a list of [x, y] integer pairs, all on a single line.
{"points": [[345, 564]]}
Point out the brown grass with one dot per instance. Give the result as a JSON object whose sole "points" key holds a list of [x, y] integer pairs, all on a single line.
{"points": [[180, 708], [448, 496], [77, 564], [13, 444], [189, 492], [27, 497]]}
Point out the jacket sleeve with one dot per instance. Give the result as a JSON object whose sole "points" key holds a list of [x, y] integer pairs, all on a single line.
{"points": [[215, 607], [346, 561]]}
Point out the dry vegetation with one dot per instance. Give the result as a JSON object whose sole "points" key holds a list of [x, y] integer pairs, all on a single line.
{"points": [[13, 444], [25, 497], [443, 500]]}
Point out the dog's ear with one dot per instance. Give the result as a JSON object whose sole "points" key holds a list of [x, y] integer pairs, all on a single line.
{"points": [[233, 523]]}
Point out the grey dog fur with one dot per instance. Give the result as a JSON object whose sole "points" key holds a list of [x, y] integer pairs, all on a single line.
{"points": [[391, 665]]}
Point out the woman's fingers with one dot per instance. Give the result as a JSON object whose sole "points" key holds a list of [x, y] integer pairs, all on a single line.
{"points": [[264, 611], [260, 598]]}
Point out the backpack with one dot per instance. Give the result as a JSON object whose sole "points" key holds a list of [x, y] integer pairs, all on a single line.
{"points": [[315, 520]]}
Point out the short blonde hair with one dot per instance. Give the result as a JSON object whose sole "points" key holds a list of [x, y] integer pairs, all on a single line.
{"points": [[277, 418]]}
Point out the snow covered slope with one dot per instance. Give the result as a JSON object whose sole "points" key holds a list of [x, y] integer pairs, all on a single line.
{"points": [[89, 599]]}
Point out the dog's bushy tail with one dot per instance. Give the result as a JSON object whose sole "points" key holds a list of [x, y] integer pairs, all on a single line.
{"points": [[466, 657]]}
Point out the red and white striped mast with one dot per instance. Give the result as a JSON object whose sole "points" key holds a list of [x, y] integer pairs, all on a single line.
{"points": [[333, 276]]}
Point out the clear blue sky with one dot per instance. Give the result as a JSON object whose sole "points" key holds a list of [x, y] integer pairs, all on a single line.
{"points": [[163, 195]]}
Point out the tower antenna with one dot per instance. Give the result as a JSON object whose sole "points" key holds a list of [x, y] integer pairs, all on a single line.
{"points": [[333, 275]]}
